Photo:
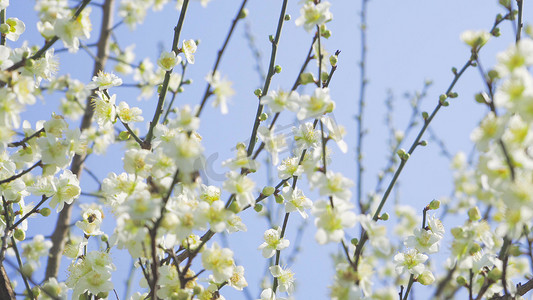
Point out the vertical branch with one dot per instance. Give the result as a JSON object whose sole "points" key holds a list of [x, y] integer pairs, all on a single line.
{"points": [[207, 92], [270, 74], [359, 118], [147, 144], [62, 225], [520, 4]]}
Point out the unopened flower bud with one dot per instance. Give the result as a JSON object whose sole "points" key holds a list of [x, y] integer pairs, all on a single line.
{"points": [[426, 278], [258, 92], [263, 117], [258, 207], [306, 78], [124, 135], [434, 204], [287, 17], [474, 214], [279, 199], [461, 280], [19, 234], [333, 60], [45, 211], [384, 217], [277, 69], [268, 190], [243, 14]]}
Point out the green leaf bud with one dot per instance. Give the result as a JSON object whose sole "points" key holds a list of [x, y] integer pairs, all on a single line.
{"points": [[45, 211], [279, 199], [277, 69], [19, 234], [124, 135], [287, 17], [268, 190], [258, 92], [258, 207], [434, 204], [474, 214]]}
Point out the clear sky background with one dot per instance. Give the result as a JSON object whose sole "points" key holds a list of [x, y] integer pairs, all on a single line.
{"points": [[409, 42]]}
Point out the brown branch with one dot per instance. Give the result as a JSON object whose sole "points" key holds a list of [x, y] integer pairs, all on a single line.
{"points": [[62, 226]]}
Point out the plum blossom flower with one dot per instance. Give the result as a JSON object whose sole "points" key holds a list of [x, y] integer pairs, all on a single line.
{"points": [[168, 60], [411, 261], [127, 114], [104, 109], [16, 28], [189, 48], [104, 81], [314, 14], [330, 222], [285, 278], [316, 105], [221, 89], [67, 189], [295, 200], [280, 100], [219, 261], [273, 242], [273, 143]]}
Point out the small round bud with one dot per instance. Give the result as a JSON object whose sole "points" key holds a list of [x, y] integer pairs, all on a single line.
{"points": [[423, 143], [514, 250], [240, 146], [454, 70], [234, 207], [453, 95], [45, 211], [495, 274], [475, 248], [104, 238], [4, 28], [426, 278], [461, 280], [433, 205], [287, 17], [279, 199], [102, 295], [306, 78], [243, 14], [258, 92], [271, 38], [354, 241], [493, 74], [333, 60], [425, 115], [445, 103], [263, 117], [124, 135], [384, 217], [258, 207], [268, 190], [19, 234], [474, 214], [28, 269], [402, 154], [29, 63], [480, 98], [324, 76], [180, 89], [457, 232], [442, 97], [277, 69]]}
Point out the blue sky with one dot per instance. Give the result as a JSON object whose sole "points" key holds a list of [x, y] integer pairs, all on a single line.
{"points": [[409, 42]]}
